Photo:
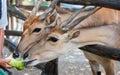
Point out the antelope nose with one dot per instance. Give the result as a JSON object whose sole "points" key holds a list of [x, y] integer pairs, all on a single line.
{"points": [[25, 55], [15, 55]]}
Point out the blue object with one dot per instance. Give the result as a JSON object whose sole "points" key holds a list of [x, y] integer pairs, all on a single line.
{"points": [[2, 72], [73, 6]]}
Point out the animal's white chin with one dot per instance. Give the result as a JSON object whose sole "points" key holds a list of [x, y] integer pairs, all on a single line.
{"points": [[32, 63]]}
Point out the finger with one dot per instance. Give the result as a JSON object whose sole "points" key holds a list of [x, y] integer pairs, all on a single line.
{"points": [[5, 65], [6, 60], [8, 66]]}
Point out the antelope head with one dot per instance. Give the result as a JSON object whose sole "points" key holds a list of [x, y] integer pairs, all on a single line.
{"points": [[35, 28], [45, 39]]}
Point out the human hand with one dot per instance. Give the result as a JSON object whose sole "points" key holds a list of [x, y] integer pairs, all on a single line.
{"points": [[4, 63]]}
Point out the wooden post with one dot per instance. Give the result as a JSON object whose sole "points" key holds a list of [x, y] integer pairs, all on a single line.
{"points": [[101, 50], [114, 4]]}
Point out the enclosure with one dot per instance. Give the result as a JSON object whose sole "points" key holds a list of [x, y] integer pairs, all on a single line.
{"points": [[72, 63]]}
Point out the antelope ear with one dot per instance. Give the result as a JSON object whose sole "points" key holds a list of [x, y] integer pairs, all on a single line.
{"points": [[52, 18], [73, 34]]}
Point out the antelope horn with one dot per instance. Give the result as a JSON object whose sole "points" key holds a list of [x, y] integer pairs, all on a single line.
{"points": [[67, 21], [49, 10], [78, 20], [36, 8]]}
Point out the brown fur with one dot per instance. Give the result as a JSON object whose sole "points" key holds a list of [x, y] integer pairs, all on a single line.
{"points": [[103, 16], [107, 18], [103, 21], [30, 21]]}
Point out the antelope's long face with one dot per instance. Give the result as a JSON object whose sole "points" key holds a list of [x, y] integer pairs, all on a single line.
{"points": [[35, 31], [38, 44], [50, 47]]}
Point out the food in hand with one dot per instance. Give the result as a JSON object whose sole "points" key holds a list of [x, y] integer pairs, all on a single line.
{"points": [[17, 63]]}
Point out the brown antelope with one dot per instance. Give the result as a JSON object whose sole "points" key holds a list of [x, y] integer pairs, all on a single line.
{"points": [[44, 38]]}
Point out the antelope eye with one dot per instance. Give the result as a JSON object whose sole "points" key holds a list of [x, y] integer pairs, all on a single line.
{"points": [[53, 39], [36, 30]]}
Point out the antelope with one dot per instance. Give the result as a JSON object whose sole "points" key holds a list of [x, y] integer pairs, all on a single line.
{"points": [[46, 37]]}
